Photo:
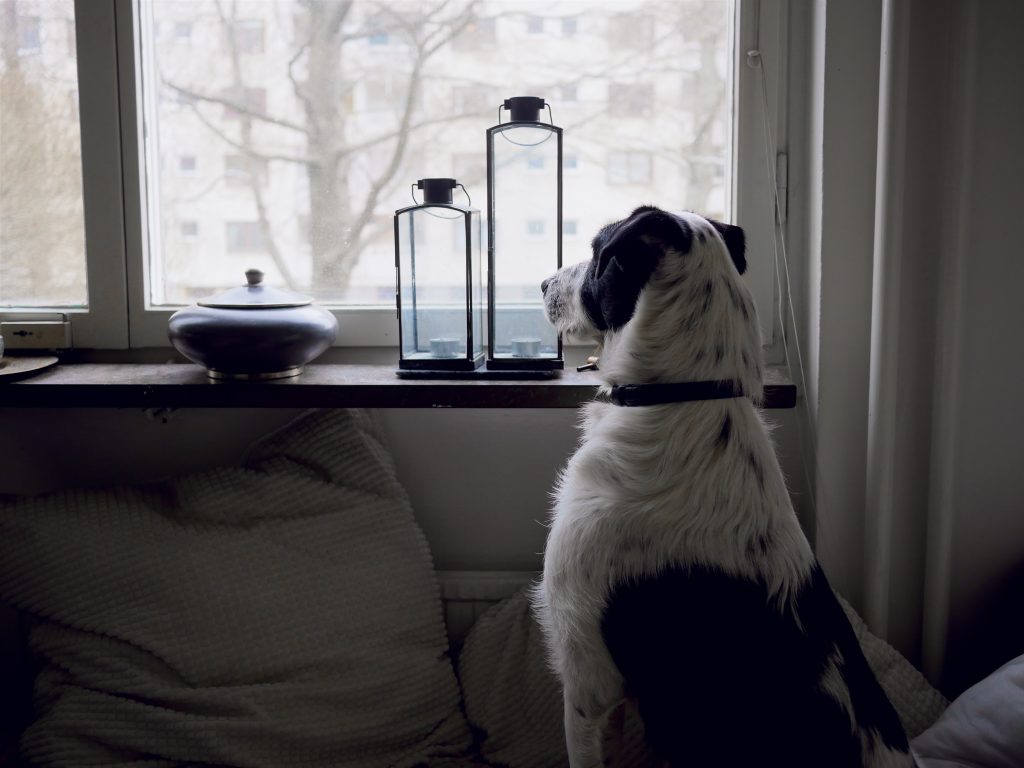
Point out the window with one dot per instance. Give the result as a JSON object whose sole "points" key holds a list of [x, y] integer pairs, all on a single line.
{"points": [[629, 168], [42, 224], [242, 171], [535, 162], [239, 102], [29, 38], [535, 227], [246, 35], [187, 116], [631, 32], [478, 33], [632, 99], [244, 237]]}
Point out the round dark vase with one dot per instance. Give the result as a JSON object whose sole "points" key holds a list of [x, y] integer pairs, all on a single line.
{"points": [[250, 333]]}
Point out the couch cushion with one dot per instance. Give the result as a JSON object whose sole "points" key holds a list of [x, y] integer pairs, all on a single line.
{"points": [[283, 612]]}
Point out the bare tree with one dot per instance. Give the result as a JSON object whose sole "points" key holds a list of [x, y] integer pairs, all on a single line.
{"points": [[341, 216], [41, 218]]}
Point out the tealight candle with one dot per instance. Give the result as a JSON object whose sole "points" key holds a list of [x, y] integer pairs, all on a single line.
{"points": [[525, 347], [444, 347]]}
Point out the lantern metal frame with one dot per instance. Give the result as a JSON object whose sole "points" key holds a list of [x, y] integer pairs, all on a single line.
{"points": [[470, 361], [540, 364]]}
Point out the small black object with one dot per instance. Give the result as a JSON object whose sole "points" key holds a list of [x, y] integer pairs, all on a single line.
{"points": [[436, 191], [525, 109]]}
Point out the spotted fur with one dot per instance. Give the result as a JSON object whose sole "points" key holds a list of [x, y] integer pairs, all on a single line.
{"points": [[676, 576]]}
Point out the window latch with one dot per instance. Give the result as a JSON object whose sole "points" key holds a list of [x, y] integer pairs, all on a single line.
{"points": [[37, 334]]}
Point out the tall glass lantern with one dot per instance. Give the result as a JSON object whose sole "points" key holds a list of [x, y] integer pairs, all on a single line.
{"points": [[524, 228], [440, 281]]}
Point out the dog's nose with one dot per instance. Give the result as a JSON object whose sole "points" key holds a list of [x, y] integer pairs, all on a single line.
{"points": [[544, 285]]}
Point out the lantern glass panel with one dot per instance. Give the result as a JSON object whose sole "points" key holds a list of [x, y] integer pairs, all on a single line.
{"points": [[434, 272], [526, 232]]}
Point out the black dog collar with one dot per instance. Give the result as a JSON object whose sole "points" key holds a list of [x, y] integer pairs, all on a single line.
{"points": [[632, 395]]}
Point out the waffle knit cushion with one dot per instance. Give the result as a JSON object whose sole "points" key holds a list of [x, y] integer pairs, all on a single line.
{"points": [[514, 701], [283, 612]]}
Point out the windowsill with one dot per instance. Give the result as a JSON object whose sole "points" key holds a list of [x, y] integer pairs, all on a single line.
{"points": [[327, 385]]}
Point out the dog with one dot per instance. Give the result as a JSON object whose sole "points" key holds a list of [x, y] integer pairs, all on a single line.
{"points": [[676, 578]]}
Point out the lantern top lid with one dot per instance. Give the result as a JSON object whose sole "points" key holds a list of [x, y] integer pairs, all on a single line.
{"points": [[437, 191], [525, 109]]}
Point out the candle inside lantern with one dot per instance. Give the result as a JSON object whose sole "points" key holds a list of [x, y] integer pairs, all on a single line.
{"points": [[444, 347], [525, 347]]}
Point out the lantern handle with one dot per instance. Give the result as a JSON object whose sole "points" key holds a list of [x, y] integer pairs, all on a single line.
{"points": [[412, 194], [551, 116], [551, 124]]}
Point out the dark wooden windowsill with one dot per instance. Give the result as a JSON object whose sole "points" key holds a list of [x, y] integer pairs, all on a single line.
{"points": [[175, 385]]}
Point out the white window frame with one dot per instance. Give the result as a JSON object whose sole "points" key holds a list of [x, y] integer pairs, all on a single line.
{"points": [[112, 163]]}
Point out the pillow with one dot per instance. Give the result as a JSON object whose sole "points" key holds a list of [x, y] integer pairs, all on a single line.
{"points": [[983, 727], [283, 612], [514, 701]]}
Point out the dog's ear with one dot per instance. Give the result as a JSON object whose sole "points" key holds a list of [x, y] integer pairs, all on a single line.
{"points": [[735, 242], [625, 261]]}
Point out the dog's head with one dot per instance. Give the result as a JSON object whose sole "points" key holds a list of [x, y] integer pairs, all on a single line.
{"points": [[663, 295]]}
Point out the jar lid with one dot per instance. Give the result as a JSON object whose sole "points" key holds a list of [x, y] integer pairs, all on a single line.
{"points": [[255, 295]]}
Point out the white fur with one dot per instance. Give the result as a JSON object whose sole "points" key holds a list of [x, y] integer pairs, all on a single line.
{"points": [[649, 487]]}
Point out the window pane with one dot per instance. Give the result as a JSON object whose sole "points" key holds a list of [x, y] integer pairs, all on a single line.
{"points": [[42, 232], [308, 121]]}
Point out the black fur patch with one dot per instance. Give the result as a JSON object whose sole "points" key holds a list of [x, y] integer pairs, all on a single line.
{"points": [[626, 253], [723, 678], [735, 241]]}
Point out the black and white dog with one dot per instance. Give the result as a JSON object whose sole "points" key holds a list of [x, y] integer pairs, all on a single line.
{"points": [[676, 577]]}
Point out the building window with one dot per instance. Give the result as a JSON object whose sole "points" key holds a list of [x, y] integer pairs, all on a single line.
{"points": [[244, 237], [470, 99], [629, 167], [479, 33], [569, 26], [189, 230], [29, 36], [238, 170], [535, 25], [251, 100], [248, 35], [535, 162], [378, 38], [535, 227], [187, 163], [571, 162], [631, 99], [570, 227], [631, 32], [183, 31]]}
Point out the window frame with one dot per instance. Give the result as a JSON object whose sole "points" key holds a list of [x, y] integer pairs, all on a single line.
{"points": [[113, 166]]}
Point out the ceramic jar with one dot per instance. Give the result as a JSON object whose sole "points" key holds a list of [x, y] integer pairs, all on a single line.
{"points": [[253, 331]]}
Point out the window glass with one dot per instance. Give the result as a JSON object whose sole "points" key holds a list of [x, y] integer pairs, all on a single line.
{"points": [[308, 122], [42, 231]]}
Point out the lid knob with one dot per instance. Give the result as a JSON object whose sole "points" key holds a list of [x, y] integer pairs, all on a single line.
{"points": [[253, 276]]}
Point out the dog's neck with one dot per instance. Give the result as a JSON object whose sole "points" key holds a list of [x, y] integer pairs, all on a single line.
{"points": [[694, 322]]}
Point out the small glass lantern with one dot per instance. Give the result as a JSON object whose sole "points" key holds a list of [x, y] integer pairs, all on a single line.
{"points": [[524, 228], [440, 281]]}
